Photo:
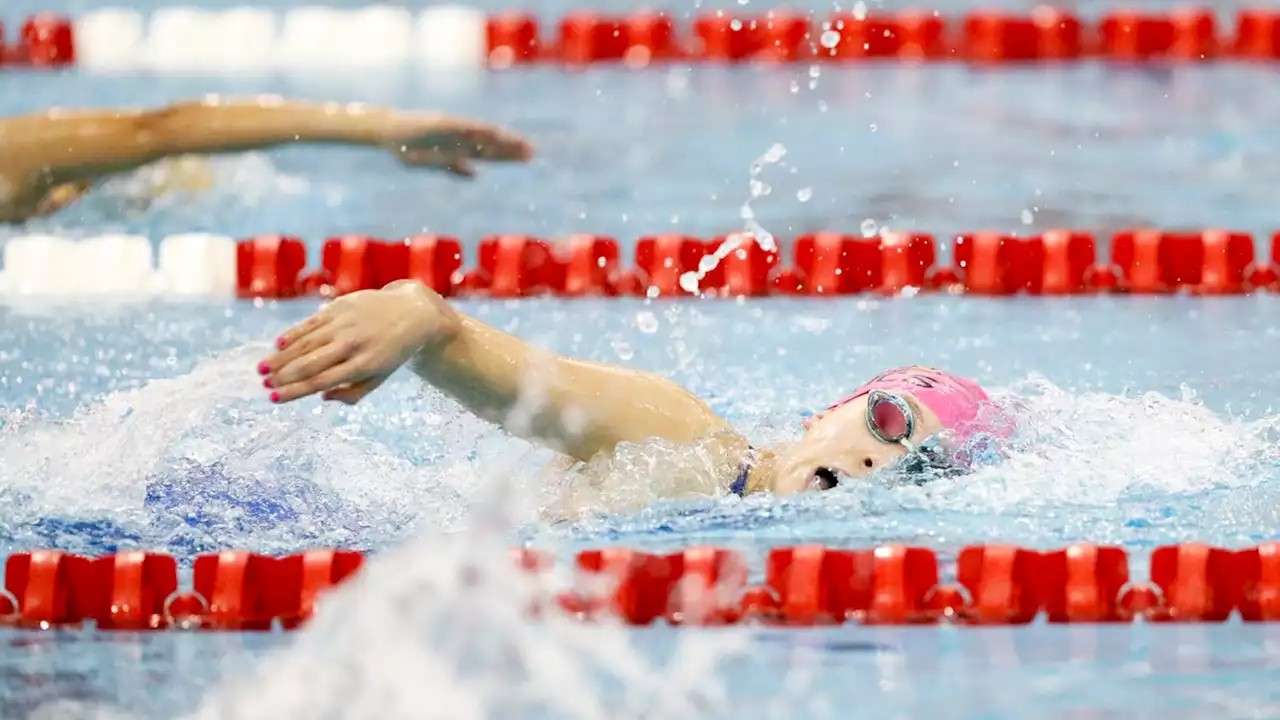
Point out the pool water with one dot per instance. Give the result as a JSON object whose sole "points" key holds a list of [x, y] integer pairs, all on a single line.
{"points": [[1146, 421]]}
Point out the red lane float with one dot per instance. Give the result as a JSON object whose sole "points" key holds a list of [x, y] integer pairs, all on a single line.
{"points": [[1048, 34], [905, 36], [636, 40], [357, 262], [803, 586], [1188, 35], [513, 40], [642, 39], [837, 264], [130, 591], [1216, 262], [270, 266], [1055, 262], [1257, 35]]}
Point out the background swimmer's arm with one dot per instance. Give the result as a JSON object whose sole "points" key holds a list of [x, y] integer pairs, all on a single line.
{"points": [[577, 407], [59, 147]]}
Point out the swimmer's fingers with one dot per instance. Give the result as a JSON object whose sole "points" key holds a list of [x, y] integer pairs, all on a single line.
{"points": [[355, 392], [328, 379], [461, 167], [314, 364], [492, 143], [294, 350], [290, 337]]}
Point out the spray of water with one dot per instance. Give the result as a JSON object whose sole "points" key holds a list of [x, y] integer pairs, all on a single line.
{"points": [[440, 627], [753, 230]]}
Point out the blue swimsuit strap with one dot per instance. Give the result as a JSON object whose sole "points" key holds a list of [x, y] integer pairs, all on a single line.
{"points": [[739, 486]]}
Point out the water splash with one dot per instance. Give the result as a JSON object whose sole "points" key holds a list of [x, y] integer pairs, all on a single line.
{"points": [[201, 462], [753, 231], [442, 623]]}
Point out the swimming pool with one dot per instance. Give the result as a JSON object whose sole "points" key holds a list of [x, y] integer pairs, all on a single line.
{"points": [[141, 425]]}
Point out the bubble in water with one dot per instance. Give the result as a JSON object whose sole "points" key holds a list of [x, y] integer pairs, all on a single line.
{"points": [[814, 71], [869, 228], [1027, 217], [735, 24], [830, 39], [623, 349], [860, 10], [647, 322], [804, 194]]}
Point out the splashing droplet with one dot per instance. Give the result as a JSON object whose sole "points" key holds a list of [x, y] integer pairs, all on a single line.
{"points": [[689, 280], [830, 39], [804, 194], [869, 228]]}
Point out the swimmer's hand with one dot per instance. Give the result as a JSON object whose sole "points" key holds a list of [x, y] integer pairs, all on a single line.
{"points": [[351, 346], [433, 140]]}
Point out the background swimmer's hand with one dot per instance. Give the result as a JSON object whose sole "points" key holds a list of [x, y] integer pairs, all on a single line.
{"points": [[351, 346], [453, 143]]}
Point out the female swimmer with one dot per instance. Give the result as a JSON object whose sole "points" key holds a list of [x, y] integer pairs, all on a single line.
{"points": [[581, 409], [51, 159]]}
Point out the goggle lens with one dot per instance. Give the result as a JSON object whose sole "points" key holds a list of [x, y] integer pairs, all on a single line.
{"points": [[889, 419]]}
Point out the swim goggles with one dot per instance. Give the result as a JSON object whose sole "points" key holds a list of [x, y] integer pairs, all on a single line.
{"points": [[891, 419]]}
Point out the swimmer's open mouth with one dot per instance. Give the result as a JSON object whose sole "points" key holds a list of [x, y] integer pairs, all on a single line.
{"points": [[825, 478]]}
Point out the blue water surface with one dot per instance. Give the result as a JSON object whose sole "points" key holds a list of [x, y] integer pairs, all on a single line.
{"points": [[1147, 420]]}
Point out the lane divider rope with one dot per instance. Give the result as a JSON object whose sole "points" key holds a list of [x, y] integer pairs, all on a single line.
{"points": [[824, 264], [802, 586], [186, 39]]}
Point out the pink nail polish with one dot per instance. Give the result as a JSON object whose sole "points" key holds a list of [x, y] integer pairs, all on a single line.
{"points": [[275, 397], [280, 343], [267, 384], [263, 369]]}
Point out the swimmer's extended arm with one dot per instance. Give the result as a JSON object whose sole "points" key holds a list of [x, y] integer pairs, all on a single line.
{"points": [[576, 407], [579, 408], [46, 150]]}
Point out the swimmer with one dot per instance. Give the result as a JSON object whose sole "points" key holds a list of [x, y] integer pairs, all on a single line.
{"points": [[912, 418], [49, 160]]}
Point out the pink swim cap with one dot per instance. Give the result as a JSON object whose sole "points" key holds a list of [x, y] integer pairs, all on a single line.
{"points": [[961, 405]]}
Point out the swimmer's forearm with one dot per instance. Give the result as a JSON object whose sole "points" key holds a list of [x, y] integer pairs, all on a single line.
{"points": [[576, 407], [72, 146], [228, 126]]}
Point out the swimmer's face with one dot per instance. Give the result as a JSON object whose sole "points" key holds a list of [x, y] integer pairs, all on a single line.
{"points": [[840, 441]]}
